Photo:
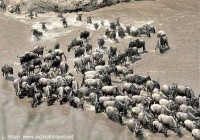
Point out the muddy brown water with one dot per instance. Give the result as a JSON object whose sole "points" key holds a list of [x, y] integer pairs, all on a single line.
{"points": [[181, 64]]}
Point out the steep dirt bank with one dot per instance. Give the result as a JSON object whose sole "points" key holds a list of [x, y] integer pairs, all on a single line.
{"points": [[42, 6]]}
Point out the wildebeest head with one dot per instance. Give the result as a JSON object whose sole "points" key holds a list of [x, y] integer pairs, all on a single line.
{"points": [[148, 78]]}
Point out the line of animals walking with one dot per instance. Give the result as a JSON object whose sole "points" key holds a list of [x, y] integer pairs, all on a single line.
{"points": [[141, 102]]}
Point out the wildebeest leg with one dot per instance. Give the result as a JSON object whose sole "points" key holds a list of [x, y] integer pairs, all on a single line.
{"points": [[6, 75], [158, 44], [65, 57], [144, 49], [148, 34], [167, 44]]}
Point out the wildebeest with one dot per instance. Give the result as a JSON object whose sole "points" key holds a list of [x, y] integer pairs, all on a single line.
{"points": [[138, 44], [28, 56], [139, 32], [148, 28], [101, 42], [114, 114], [17, 86], [79, 52], [196, 134], [37, 34], [76, 102], [121, 32], [96, 26], [84, 35], [14, 9], [75, 43], [162, 43], [132, 52], [128, 30], [138, 79], [96, 55], [151, 85], [3, 5], [79, 17], [39, 50], [88, 47], [113, 26], [43, 26], [79, 64], [160, 128], [135, 127], [6, 69], [112, 51], [170, 123], [63, 68], [64, 22], [89, 20], [111, 90], [184, 91]]}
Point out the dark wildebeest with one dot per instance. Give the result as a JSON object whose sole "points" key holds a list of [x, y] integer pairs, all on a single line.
{"points": [[6, 69], [113, 26], [117, 22], [85, 35], [79, 17], [110, 34], [107, 32], [75, 43], [27, 57], [132, 52], [36, 62], [89, 20], [37, 34], [138, 44], [121, 32], [121, 58], [64, 22], [39, 50], [128, 30], [96, 26], [3, 6], [100, 62], [17, 9], [43, 26], [55, 63], [101, 42], [112, 51], [139, 32], [79, 52], [28, 68], [148, 28], [88, 47], [138, 79], [162, 43]]}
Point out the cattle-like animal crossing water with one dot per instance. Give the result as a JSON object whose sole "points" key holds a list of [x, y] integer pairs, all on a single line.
{"points": [[179, 19]]}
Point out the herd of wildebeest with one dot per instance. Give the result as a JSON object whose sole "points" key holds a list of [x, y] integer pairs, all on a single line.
{"points": [[140, 103]]}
